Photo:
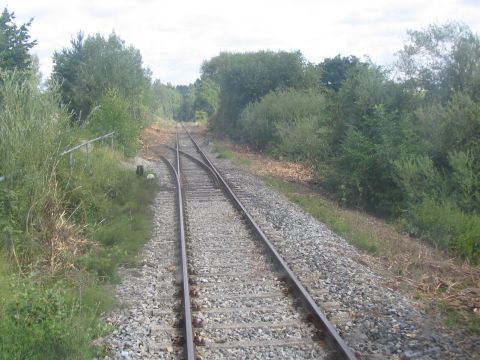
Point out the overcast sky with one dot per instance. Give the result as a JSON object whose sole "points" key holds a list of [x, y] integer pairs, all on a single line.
{"points": [[174, 37]]}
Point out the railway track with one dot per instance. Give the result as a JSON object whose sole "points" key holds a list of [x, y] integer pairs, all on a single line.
{"points": [[239, 298]]}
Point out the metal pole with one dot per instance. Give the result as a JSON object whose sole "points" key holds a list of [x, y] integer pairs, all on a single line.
{"points": [[88, 159], [70, 161]]}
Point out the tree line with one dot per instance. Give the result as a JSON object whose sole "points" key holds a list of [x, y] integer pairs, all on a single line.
{"points": [[401, 142]]}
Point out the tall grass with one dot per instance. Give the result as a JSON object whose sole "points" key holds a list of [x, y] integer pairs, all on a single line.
{"points": [[62, 233], [33, 131]]}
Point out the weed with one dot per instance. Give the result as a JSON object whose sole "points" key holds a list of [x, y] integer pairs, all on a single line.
{"points": [[46, 319], [62, 233], [327, 213], [453, 317], [224, 153]]}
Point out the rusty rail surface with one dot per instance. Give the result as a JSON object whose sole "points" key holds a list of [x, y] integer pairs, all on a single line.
{"points": [[200, 163], [189, 348], [331, 335]]}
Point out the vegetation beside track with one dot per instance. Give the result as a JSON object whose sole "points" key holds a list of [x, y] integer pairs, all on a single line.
{"points": [[64, 232], [400, 143], [443, 286]]}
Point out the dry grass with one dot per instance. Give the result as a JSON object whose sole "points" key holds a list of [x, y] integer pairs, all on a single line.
{"points": [[438, 282], [62, 241], [155, 135], [264, 166], [424, 271]]}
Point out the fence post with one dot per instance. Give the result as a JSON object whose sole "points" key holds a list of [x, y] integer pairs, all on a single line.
{"points": [[88, 159], [69, 152], [70, 162]]}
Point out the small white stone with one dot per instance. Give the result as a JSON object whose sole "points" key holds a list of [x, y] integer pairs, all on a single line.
{"points": [[125, 355], [150, 176]]}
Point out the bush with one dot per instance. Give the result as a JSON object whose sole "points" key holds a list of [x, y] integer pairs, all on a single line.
{"points": [[112, 114], [112, 203], [48, 216], [268, 123], [444, 225], [38, 320], [33, 133]]}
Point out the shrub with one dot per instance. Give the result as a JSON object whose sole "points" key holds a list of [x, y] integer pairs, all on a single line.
{"points": [[444, 225], [37, 320], [33, 133], [112, 114], [266, 123]]}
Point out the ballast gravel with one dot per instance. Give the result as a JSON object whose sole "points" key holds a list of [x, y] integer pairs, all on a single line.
{"points": [[226, 312], [146, 324], [375, 321]]}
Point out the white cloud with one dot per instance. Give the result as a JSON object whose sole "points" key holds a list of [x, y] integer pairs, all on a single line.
{"points": [[174, 37]]}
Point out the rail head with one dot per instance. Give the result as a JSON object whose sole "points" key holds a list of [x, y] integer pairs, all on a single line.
{"points": [[189, 346], [202, 164], [332, 336]]}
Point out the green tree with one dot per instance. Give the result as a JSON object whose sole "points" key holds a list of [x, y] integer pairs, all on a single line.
{"points": [[186, 110], [112, 114], [335, 70], [166, 100], [92, 66], [206, 96], [15, 43], [271, 123], [440, 60], [247, 77]]}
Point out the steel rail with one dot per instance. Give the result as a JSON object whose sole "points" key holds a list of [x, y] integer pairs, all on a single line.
{"points": [[202, 164], [189, 346], [332, 336]]}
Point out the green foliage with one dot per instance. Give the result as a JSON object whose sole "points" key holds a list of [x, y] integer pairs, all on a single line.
{"points": [[461, 126], [246, 77], [206, 96], [186, 111], [201, 116], [14, 43], [464, 181], [40, 319], [335, 70], [418, 178], [441, 59], [92, 66], [113, 202], [444, 225], [285, 122], [45, 209], [34, 132], [406, 149], [369, 128], [166, 100], [112, 114]]}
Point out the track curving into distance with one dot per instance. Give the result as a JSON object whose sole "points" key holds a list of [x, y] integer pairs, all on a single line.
{"points": [[240, 298]]}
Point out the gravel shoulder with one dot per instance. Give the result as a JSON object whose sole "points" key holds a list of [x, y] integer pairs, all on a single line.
{"points": [[377, 322], [146, 324]]}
